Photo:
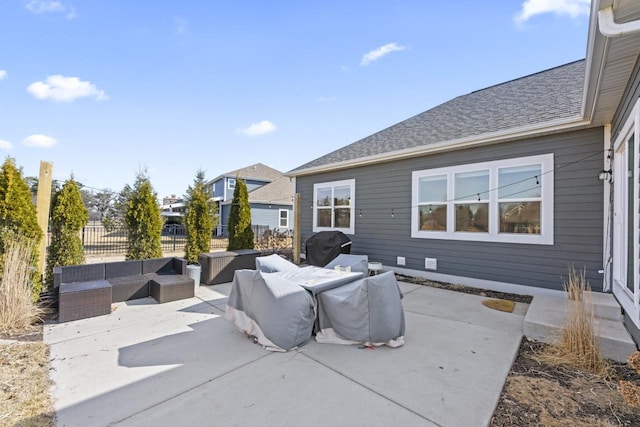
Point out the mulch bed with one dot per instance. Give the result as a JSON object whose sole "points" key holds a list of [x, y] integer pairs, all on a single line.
{"points": [[465, 289]]}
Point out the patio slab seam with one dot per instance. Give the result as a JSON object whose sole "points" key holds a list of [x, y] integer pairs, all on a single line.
{"points": [[370, 389]]}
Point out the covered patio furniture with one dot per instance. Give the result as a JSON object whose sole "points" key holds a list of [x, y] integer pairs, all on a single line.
{"points": [[277, 312], [356, 263], [367, 311], [273, 263]]}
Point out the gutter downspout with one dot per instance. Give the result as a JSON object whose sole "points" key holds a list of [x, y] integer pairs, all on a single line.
{"points": [[610, 28]]}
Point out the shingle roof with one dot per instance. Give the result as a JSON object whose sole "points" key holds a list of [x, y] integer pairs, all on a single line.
{"points": [[278, 192], [257, 171], [535, 99]]}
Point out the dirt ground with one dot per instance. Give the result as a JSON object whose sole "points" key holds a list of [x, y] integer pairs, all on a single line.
{"points": [[539, 393]]}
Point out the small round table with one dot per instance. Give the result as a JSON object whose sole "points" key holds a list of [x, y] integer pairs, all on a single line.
{"points": [[374, 268]]}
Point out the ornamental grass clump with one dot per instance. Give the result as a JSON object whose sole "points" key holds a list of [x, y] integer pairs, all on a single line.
{"points": [[578, 344], [17, 311]]}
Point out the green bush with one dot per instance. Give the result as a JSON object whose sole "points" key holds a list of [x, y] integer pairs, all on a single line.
{"points": [[199, 219], [142, 220], [68, 216], [240, 232], [18, 215]]}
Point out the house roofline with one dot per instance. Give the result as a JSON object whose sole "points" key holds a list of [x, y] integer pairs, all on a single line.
{"points": [[456, 144]]}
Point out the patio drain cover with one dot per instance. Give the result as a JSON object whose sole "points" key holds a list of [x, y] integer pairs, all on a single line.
{"points": [[499, 304]]}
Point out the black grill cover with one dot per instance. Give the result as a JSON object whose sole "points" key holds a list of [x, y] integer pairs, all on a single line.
{"points": [[323, 247]]}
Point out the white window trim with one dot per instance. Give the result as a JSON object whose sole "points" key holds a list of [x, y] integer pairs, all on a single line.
{"points": [[229, 181], [630, 301], [546, 181], [280, 218], [352, 220]]}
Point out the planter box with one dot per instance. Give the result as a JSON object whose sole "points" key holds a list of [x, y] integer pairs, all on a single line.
{"points": [[218, 267]]}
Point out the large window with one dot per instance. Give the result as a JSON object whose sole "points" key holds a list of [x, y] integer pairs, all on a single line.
{"points": [[333, 206], [500, 201]]}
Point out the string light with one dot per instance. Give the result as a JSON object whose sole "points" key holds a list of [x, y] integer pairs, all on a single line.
{"points": [[392, 214]]}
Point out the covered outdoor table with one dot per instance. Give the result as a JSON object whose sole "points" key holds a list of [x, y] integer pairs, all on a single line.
{"points": [[318, 279]]}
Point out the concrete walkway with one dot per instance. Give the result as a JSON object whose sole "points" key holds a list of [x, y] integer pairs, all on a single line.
{"points": [[181, 363]]}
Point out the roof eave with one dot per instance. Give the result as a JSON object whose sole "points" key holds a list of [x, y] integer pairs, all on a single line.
{"points": [[467, 142]]}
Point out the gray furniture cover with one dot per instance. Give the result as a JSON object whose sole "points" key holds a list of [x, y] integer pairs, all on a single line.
{"points": [[367, 311], [358, 263], [273, 263], [277, 312], [317, 279]]}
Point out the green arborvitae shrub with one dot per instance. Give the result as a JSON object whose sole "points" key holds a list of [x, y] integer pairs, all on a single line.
{"points": [[143, 222], [240, 232], [18, 215], [199, 219], [68, 216]]}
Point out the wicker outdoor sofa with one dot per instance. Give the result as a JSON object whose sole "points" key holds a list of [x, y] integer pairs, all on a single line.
{"points": [[88, 290]]}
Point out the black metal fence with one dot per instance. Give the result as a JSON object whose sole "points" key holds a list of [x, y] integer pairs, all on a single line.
{"points": [[97, 240]]}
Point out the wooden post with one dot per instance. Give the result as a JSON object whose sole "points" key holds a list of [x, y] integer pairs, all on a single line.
{"points": [[296, 228], [43, 203]]}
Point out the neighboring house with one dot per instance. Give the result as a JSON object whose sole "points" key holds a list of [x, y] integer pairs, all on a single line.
{"points": [[506, 187], [270, 196], [172, 209]]}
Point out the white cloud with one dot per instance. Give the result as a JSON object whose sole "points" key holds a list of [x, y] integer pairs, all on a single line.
{"points": [[378, 53], [3, 74], [50, 6], [65, 89], [182, 25], [573, 8], [259, 128], [38, 140], [5, 145]]}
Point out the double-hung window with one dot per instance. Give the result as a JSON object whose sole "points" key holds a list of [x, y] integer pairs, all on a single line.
{"points": [[333, 206], [231, 183], [499, 201], [283, 218]]}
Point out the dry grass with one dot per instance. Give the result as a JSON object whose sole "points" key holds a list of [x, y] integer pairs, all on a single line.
{"points": [[578, 344], [24, 385], [17, 312]]}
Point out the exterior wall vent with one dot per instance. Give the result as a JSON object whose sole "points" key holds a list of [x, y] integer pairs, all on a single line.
{"points": [[430, 263]]}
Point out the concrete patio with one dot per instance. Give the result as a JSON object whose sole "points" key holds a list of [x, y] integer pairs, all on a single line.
{"points": [[181, 363]]}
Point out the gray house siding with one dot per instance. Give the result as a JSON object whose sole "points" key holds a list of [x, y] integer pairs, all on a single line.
{"points": [[217, 188], [265, 215], [631, 94], [578, 213]]}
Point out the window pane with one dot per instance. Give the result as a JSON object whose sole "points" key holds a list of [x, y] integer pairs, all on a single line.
{"points": [[433, 218], [472, 217], [324, 218], [519, 182], [342, 196], [284, 214], [470, 184], [324, 196], [343, 218], [520, 217], [432, 189]]}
